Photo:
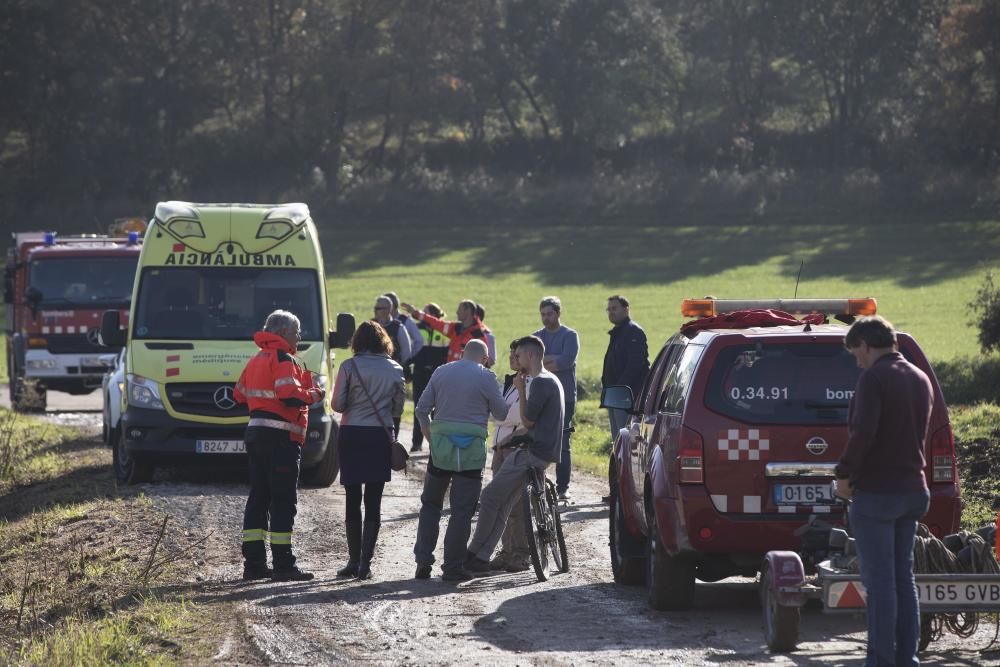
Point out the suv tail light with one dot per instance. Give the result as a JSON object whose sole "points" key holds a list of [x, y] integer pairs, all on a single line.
{"points": [[943, 455], [690, 457]]}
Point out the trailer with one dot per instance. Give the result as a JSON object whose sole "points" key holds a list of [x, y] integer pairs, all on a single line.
{"points": [[835, 582]]}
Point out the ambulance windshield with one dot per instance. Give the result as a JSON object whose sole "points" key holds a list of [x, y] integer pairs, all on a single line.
{"points": [[74, 282], [206, 303]]}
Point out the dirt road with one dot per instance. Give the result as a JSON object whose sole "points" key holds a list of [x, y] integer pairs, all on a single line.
{"points": [[581, 617]]}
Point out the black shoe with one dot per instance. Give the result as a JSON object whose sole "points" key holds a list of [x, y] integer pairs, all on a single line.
{"points": [[364, 570], [349, 570], [293, 574], [458, 575], [477, 566], [252, 572], [416, 448], [423, 572]]}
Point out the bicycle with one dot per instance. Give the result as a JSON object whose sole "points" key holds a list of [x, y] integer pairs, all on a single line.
{"points": [[542, 525]]}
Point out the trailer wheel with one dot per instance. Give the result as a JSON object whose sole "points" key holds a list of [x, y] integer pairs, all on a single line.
{"points": [[926, 631], [781, 624]]}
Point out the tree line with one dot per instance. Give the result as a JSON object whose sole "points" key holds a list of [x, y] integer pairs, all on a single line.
{"points": [[133, 100]]}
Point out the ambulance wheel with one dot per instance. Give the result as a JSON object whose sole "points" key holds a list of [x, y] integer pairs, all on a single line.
{"points": [[627, 570], [781, 624], [325, 472], [669, 579], [130, 468]]}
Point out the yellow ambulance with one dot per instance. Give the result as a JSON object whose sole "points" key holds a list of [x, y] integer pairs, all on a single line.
{"points": [[208, 276]]}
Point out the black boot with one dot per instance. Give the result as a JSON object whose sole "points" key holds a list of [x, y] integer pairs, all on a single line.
{"points": [[353, 549], [368, 541]]}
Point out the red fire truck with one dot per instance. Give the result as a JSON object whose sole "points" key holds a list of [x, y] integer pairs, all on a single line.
{"points": [[56, 289]]}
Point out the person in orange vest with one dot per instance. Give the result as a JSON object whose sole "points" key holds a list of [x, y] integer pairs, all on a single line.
{"points": [[278, 390], [468, 327]]}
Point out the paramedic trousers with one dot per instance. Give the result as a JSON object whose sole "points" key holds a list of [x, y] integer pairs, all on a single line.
{"points": [[273, 462]]}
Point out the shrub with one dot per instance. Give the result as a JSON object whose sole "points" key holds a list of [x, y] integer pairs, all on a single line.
{"points": [[985, 310], [969, 380]]}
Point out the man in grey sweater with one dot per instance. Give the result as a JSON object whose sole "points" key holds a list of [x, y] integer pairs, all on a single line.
{"points": [[542, 415], [462, 395]]}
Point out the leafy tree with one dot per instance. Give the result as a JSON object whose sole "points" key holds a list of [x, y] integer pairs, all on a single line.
{"points": [[985, 308]]}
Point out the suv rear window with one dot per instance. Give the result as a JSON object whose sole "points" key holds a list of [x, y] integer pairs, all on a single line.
{"points": [[783, 383]]}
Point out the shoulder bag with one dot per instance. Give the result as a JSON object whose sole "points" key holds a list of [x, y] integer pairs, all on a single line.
{"points": [[398, 454]]}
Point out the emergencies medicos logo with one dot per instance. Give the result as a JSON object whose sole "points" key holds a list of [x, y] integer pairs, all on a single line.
{"points": [[741, 444]]}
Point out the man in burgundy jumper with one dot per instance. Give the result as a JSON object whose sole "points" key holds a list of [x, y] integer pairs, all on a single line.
{"points": [[882, 471]]}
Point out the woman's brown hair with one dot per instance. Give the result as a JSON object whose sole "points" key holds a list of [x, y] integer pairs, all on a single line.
{"points": [[371, 337]]}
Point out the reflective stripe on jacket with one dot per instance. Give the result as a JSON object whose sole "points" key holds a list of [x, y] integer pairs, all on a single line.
{"points": [[276, 382]]}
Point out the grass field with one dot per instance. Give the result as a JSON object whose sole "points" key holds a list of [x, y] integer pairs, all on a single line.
{"points": [[922, 273]]}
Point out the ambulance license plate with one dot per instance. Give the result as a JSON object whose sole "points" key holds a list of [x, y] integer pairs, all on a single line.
{"points": [[803, 494], [220, 447]]}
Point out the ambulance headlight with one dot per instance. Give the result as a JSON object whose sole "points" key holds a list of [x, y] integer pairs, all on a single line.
{"points": [[143, 392]]}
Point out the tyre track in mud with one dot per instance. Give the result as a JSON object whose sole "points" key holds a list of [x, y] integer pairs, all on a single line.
{"points": [[581, 617]]}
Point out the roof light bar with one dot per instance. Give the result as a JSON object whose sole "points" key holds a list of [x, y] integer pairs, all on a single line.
{"points": [[713, 307]]}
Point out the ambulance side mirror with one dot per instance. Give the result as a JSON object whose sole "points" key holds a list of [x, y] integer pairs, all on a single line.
{"points": [[345, 331], [111, 333]]}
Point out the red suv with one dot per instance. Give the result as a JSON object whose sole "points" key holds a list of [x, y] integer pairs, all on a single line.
{"points": [[732, 444]]}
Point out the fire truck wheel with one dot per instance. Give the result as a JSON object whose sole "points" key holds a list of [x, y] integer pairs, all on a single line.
{"points": [[130, 468], [627, 569], [669, 579], [781, 624], [26, 395]]}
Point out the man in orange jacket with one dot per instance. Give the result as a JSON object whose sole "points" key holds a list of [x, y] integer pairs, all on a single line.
{"points": [[278, 389], [468, 327]]}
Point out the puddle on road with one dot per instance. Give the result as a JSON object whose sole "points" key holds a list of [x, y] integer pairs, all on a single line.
{"points": [[86, 421]]}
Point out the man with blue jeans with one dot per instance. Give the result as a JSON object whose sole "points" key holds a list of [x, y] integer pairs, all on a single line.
{"points": [[882, 471], [562, 346]]}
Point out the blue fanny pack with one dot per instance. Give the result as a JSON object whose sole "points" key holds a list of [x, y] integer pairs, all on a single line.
{"points": [[462, 441]]}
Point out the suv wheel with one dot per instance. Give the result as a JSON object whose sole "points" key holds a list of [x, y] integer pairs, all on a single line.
{"points": [[130, 468], [627, 569], [669, 579]]}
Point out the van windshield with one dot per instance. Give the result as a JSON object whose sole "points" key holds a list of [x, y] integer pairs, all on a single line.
{"points": [[98, 282], [788, 383], [216, 303]]}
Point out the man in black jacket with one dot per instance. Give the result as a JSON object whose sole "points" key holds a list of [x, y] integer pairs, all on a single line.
{"points": [[627, 360]]}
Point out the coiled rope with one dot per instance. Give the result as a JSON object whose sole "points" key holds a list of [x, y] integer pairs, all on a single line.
{"points": [[931, 556]]}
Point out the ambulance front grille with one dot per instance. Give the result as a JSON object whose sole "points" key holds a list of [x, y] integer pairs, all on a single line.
{"points": [[205, 399]]}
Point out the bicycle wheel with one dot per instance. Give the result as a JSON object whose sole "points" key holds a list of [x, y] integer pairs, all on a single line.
{"points": [[534, 528], [556, 541]]}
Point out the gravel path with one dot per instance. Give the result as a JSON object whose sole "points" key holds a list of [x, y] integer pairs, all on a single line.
{"points": [[582, 617]]}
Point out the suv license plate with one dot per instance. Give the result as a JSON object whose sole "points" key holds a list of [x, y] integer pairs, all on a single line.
{"points": [[803, 494], [220, 447]]}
